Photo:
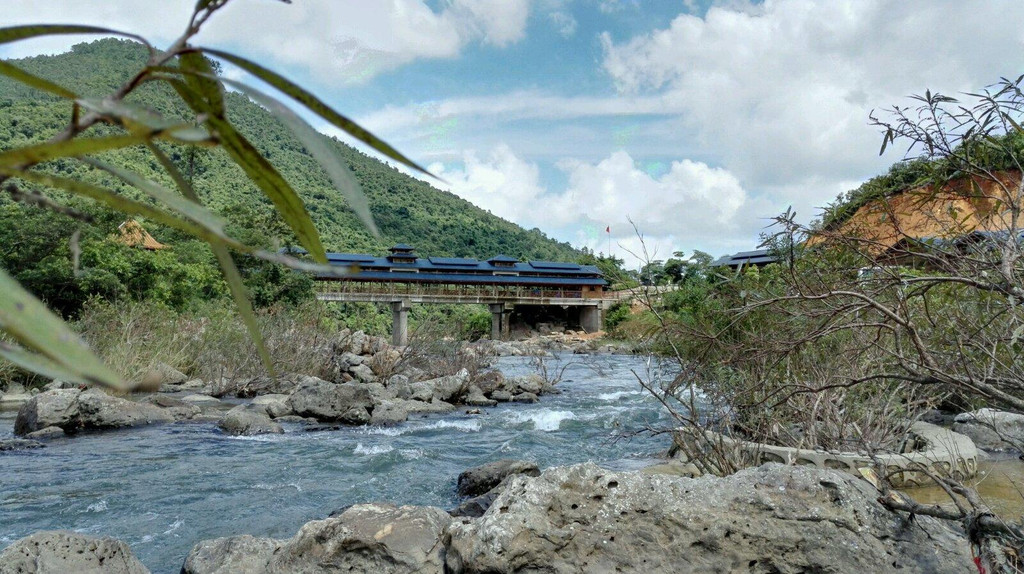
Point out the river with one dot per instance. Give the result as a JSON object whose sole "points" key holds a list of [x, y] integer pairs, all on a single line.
{"points": [[163, 488]]}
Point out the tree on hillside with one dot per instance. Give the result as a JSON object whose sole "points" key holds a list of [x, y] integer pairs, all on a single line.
{"points": [[41, 342]]}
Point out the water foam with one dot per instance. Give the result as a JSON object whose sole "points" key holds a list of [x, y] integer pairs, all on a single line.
{"points": [[374, 449], [471, 425], [97, 506], [617, 395], [546, 420]]}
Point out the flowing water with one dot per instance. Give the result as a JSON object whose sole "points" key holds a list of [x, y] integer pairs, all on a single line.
{"points": [[163, 488]]}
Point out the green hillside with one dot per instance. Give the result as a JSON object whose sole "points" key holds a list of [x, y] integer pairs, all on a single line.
{"points": [[35, 241]]}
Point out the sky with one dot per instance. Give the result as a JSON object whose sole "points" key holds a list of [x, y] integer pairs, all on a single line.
{"points": [[692, 122]]}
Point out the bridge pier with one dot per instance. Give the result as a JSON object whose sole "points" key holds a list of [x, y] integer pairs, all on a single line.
{"points": [[400, 323], [501, 321], [590, 319]]}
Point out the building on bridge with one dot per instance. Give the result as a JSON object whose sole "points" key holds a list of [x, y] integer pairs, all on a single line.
{"points": [[504, 283]]}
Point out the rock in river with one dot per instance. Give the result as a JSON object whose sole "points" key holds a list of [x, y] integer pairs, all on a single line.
{"points": [[480, 479], [60, 552], [245, 421], [74, 410], [583, 518], [378, 538], [329, 402]]}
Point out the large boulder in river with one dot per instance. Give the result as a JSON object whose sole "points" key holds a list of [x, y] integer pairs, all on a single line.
{"points": [[245, 421], [73, 410], [346, 403], [60, 552], [992, 430], [98, 410], [378, 538], [774, 518], [445, 389], [480, 479], [56, 408]]}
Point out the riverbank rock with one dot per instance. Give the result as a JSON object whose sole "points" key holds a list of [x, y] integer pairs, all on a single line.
{"points": [[245, 421], [991, 429], [276, 405], [60, 552], [48, 433], [478, 480], [770, 519], [378, 538], [18, 444], [329, 402], [73, 410], [180, 409], [389, 412], [98, 410]]}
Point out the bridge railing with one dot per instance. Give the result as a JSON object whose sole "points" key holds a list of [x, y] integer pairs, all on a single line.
{"points": [[342, 288]]}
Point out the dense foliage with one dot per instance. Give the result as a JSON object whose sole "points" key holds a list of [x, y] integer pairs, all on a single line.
{"points": [[39, 254]]}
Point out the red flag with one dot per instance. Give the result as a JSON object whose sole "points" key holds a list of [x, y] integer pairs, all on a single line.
{"points": [[608, 229]]}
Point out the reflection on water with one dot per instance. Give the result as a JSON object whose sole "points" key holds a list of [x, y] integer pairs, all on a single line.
{"points": [[1000, 482]]}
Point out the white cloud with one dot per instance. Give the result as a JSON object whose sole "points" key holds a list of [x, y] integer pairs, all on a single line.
{"points": [[781, 90], [689, 204], [564, 23], [339, 41]]}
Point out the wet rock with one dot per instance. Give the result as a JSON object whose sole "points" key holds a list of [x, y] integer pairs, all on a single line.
{"points": [[770, 519], [243, 554], [526, 398], [489, 381], [98, 410], [479, 480], [475, 507], [501, 396], [276, 406], [992, 430], [189, 385], [389, 412], [533, 384], [198, 399], [57, 408], [19, 444], [475, 398], [435, 407], [243, 421], [379, 393], [346, 403], [180, 409], [378, 538], [47, 433], [60, 552], [446, 389]]}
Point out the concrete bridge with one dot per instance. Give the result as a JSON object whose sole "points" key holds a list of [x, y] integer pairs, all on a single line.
{"points": [[402, 279]]}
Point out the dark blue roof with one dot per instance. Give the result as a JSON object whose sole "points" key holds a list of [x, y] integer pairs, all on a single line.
{"points": [[553, 265], [402, 247], [454, 261], [758, 257], [467, 270]]}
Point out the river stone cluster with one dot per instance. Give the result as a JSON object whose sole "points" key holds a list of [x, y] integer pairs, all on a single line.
{"points": [[582, 519], [576, 519]]}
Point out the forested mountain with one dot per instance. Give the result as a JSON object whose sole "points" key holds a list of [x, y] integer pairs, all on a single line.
{"points": [[35, 243]]}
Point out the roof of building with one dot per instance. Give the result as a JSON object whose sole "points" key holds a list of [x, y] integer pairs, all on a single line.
{"points": [[496, 270], [757, 257], [132, 233]]}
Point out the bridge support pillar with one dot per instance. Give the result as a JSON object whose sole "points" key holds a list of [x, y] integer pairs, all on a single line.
{"points": [[501, 321], [400, 323], [590, 319]]}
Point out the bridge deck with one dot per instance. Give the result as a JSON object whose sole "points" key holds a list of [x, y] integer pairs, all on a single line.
{"points": [[484, 294]]}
